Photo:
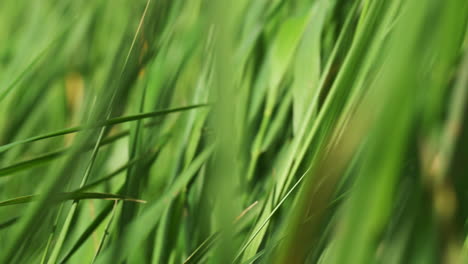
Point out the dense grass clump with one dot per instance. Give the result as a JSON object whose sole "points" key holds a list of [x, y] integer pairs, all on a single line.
{"points": [[234, 131]]}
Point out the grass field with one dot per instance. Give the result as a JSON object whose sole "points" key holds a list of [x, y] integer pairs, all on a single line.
{"points": [[234, 131]]}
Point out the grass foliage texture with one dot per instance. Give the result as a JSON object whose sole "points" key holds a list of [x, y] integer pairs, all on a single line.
{"points": [[234, 131]]}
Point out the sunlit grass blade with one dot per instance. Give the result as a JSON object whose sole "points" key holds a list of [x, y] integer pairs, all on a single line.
{"points": [[88, 232], [71, 196], [154, 210], [110, 122]]}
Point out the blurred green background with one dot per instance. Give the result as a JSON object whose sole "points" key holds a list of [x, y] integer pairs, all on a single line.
{"points": [[234, 131]]}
